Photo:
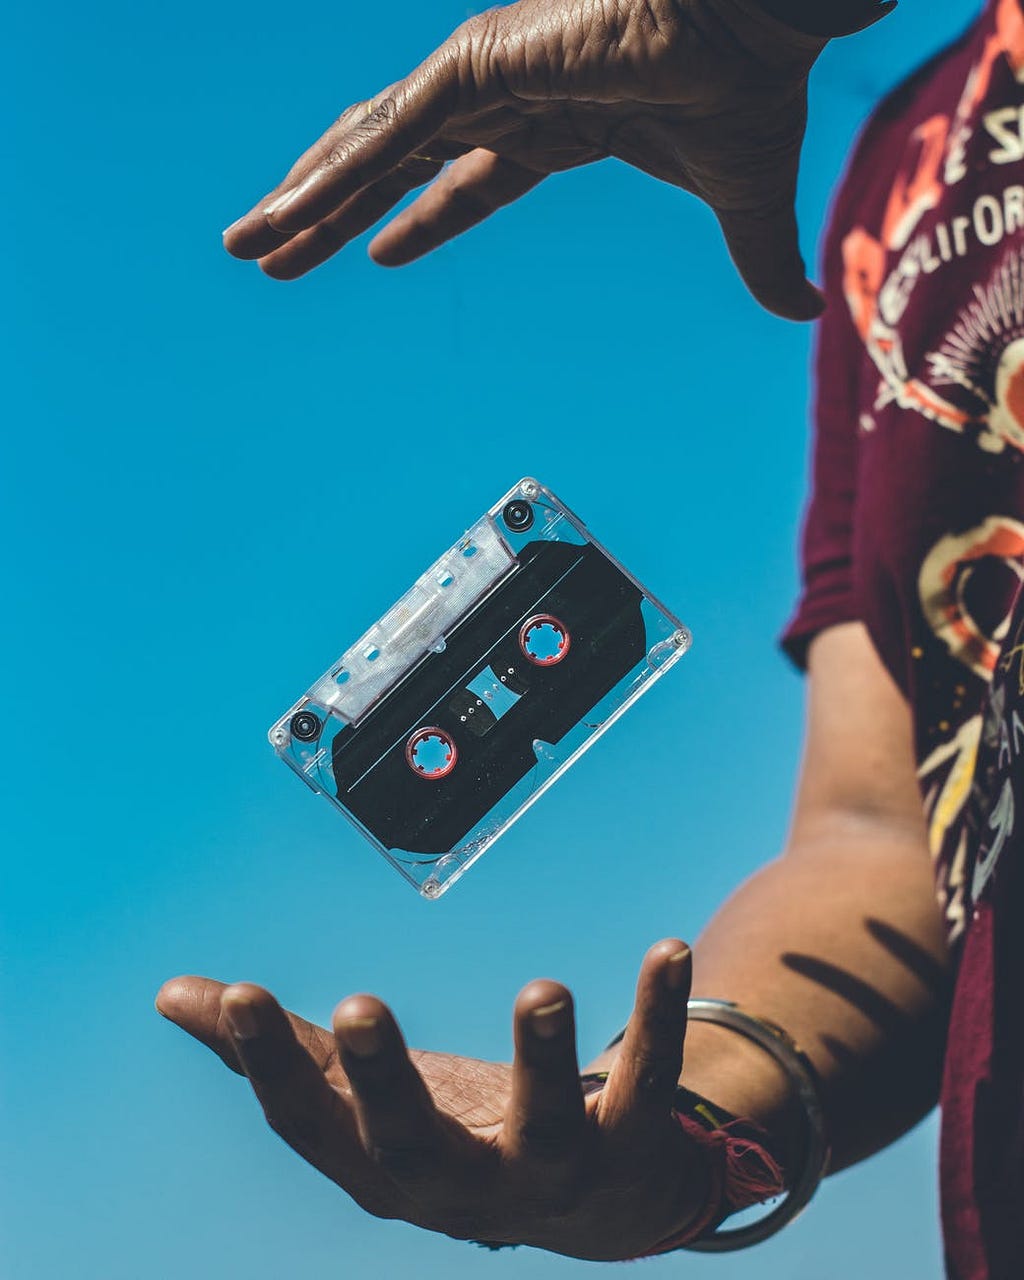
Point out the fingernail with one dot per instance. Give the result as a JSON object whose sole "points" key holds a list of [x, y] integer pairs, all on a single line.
{"points": [[362, 1036], [276, 206], [548, 1020], [242, 1018], [676, 969]]}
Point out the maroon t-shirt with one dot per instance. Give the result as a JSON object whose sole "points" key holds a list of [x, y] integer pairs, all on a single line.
{"points": [[916, 527]]}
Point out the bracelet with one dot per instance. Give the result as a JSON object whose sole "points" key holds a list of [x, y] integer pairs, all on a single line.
{"points": [[744, 1169], [797, 1066]]}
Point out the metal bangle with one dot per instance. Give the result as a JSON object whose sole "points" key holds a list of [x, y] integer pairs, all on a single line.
{"points": [[776, 1042]]}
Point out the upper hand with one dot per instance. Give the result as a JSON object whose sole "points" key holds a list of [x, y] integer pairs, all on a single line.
{"points": [[477, 1150], [709, 95]]}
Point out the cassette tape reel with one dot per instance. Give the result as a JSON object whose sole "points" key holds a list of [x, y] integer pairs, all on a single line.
{"points": [[501, 665]]}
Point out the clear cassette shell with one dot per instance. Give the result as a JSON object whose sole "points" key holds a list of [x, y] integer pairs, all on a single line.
{"points": [[502, 664]]}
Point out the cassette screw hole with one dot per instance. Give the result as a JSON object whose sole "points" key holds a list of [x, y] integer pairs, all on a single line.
{"points": [[518, 515], [469, 552], [305, 726], [430, 753], [341, 677], [372, 653], [544, 640], [445, 579]]}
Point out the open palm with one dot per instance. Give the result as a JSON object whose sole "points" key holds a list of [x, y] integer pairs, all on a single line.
{"points": [[478, 1150]]}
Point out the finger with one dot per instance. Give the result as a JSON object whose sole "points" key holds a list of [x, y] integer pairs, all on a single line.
{"points": [[844, 18], [360, 149], [310, 248], [546, 1115], [194, 1004], [397, 1123], [764, 244], [642, 1083], [252, 236], [468, 191], [296, 1098], [747, 173]]}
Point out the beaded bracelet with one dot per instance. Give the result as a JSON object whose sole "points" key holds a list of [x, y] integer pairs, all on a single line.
{"points": [[815, 1147], [744, 1170], [703, 1235]]}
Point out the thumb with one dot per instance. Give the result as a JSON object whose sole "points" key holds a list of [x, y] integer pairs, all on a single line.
{"points": [[838, 18], [765, 246]]}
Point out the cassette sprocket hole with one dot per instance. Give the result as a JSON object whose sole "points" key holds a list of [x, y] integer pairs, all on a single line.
{"points": [[544, 640], [431, 753]]}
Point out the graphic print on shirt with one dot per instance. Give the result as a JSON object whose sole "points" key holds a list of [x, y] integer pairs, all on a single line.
{"points": [[993, 804], [984, 355], [915, 531], [984, 563], [937, 159], [956, 199]]}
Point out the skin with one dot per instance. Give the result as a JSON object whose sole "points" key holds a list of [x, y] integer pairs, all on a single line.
{"points": [[709, 95], [839, 940], [476, 1149]]}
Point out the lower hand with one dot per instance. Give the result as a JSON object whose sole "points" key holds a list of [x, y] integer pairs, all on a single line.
{"points": [[477, 1150]]}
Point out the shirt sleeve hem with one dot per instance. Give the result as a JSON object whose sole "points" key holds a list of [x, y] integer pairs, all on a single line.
{"points": [[810, 622]]}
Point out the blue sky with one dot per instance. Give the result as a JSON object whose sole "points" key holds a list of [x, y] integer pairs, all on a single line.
{"points": [[212, 483]]}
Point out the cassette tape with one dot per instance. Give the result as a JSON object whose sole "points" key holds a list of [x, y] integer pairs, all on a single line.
{"points": [[503, 663]]}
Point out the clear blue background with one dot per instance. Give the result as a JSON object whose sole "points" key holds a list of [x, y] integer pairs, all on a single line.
{"points": [[213, 482]]}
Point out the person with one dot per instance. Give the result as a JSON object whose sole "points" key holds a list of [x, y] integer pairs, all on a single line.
{"points": [[910, 626]]}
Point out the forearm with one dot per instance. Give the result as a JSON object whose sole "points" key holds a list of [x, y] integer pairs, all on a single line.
{"points": [[840, 942]]}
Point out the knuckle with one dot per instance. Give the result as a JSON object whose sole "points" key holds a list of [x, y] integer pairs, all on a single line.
{"points": [[478, 42], [477, 29], [382, 112], [338, 156]]}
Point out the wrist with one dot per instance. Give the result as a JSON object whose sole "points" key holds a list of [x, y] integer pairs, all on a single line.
{"points": [[738, 1079], [721, 1164], [742, 1080]]}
